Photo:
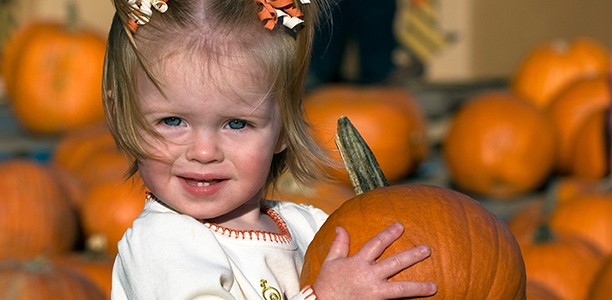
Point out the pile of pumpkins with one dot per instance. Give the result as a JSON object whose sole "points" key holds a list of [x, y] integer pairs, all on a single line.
{"points": [[63, 218]]}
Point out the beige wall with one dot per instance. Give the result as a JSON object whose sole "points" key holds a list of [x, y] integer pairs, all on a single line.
{"points": [[493, 35], [94, 13]]}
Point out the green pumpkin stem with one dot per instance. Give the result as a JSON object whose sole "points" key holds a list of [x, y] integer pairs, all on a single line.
{"points": [[363, 169]]}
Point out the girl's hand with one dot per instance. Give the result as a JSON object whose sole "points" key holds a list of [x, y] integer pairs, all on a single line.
{"points": [[361, 277]]}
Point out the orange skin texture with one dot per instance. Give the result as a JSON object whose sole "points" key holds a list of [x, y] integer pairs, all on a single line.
{"points": [[549, 67], [58, 80], [601, 289], [473, 254], [499, 146], [571, 109], [566, 265], [388, 119], [44, 280], [36, 218]]}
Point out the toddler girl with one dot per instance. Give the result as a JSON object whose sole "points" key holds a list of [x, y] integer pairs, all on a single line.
{"points": [[205, 97]]}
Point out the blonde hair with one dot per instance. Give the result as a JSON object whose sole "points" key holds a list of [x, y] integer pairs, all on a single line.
{"points": [[202, 25]]}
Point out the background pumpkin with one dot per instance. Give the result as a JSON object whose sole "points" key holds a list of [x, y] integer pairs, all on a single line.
{"points": [[589, 158], [499, 146], [601, 289], [56, 79], [563, 263], [40, 279], [324, 195], [552, 65], [571, 108], [36, 218], [109, 210], [390, 121]]}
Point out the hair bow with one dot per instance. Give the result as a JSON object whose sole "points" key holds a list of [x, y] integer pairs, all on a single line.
{"points": [[142, 10], [285, 10]]}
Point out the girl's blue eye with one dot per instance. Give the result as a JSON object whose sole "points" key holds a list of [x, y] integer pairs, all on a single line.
{"points": [[237, 124], [172, 121]]}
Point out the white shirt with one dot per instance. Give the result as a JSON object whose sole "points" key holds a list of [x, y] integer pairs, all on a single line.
{"points": [[167, 255]]}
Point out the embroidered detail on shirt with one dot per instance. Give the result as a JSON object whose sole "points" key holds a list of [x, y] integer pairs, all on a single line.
{"points": [[269, 292], [284, 236]]}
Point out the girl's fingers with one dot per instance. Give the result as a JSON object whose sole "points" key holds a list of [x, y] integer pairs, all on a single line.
{"points": [[400, 261], [340, 246], [377, 245]]}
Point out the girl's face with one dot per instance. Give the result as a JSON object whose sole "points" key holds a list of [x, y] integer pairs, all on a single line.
{"points": [[220, 130]]}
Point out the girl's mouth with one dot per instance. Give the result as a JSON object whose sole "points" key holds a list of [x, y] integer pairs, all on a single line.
{"points": [[201, 183]]}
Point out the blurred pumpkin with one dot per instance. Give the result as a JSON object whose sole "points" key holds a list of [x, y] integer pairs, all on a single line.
{"points": [[590, 157], [110, 208], [499, 146], [93, 264], [327, 196], [550, 66], [538, 291], [41, 279], [563, 263], [55, 77], [35, 217], [588, 216], [389, 119], [601, 288], [571, 108]]}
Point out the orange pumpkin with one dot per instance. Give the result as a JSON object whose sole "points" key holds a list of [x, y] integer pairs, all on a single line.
{"points": [[327, 196], [12, 50], [35, 219], [549, 67], [589, 216], [564, 264], [589, 157], [39, 279], [56, 79], [97, 267], [389, 119], [474, 255], [538, 291], [571, 108], [601, 288], [109, 210], [499, 146]]}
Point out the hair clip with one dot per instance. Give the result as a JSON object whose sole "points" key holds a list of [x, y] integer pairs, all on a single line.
{"points": [[272, 10], [142, 10]]}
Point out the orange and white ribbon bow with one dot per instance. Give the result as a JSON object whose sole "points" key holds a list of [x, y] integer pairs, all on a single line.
{"points": [[286, 10]]}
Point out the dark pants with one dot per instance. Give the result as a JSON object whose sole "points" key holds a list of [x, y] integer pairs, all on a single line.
{"points": [[370, 25]]}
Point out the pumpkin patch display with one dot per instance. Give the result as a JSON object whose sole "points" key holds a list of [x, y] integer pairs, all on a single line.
{"points": [[499, 146], [550, 66], [40, 279], [35, 217], [474, 255], [390, 121], [54, 77]]}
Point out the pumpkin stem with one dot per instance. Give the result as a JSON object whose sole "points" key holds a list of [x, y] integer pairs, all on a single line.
{"points": [[73, 15], [361, 164]]}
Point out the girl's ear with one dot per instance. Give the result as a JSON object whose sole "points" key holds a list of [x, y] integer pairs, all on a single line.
{"points": [[281, 144]]}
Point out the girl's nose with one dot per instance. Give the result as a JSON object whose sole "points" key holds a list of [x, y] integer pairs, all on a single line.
{"points": [[204, 148]]}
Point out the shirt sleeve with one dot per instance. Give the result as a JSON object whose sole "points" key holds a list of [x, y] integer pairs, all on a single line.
{"points": [[169, 256]]}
